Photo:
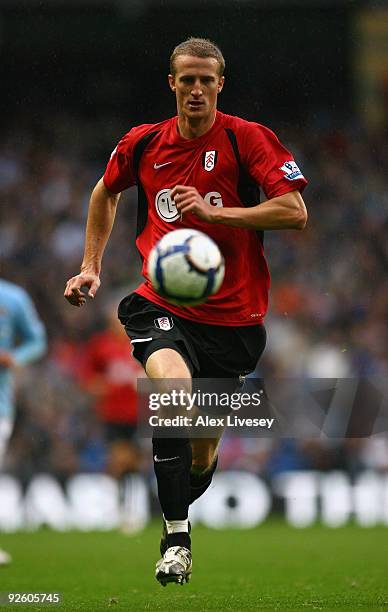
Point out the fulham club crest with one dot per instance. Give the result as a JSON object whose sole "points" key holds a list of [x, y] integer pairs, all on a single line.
{"points": [[209, 160], [164, 323]]}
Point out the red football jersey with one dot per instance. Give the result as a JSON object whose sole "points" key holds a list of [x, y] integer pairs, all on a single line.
{"points": [[107, 365], [156, 158]]}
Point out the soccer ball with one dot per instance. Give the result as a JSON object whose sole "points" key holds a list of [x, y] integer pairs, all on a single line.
{"points": [[186, 267]]}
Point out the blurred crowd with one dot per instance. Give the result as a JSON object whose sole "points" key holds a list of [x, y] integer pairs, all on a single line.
{"points": [[327, 317]]}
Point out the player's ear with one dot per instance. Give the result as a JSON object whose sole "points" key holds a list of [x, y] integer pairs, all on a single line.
{"points": [[171, 82], [220, 84]]}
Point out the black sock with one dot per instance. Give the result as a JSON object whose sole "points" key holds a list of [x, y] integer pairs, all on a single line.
{"points": [[172, 462], [202, 481], [179, 539]]}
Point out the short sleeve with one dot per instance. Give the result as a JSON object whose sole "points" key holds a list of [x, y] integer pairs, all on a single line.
{"points": [[269, 163], [119, 173]]}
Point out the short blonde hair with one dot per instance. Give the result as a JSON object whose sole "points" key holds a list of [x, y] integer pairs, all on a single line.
{"points": [[198, 47]]}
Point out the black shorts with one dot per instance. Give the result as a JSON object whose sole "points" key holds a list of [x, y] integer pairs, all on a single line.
{"points": [[210, 351]]}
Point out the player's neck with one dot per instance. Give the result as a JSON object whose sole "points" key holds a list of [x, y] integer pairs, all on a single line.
{"points": [[193, 128]]}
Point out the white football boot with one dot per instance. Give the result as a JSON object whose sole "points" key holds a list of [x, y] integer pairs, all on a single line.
{"points": [[5, 558], [175, 566]]}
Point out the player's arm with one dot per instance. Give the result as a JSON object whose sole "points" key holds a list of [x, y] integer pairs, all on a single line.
{"points": [[101, 216], [287, 211], [30, 332]]}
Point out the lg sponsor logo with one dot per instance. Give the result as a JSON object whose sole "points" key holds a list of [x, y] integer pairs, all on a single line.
{"points": [[214, 198], [165, 206], [167, 210]]}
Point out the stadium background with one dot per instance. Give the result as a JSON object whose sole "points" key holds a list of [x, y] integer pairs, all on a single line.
{"points": [[76, 76]]}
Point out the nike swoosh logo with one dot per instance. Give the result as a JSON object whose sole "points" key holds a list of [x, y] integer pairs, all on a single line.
{"points": [[168, 459], [156, 166]]}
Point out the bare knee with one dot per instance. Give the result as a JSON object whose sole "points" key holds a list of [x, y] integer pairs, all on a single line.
{"points": [[169, 373], [165, 365]]}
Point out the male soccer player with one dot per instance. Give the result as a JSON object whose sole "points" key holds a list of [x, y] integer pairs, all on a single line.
{"points": [[201, 170], [22, 340]]}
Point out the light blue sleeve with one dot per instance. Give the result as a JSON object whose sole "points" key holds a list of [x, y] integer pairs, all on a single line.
{"points": [[29, 330]]}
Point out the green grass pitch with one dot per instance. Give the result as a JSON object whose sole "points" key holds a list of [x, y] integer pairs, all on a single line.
{"points": [[272, 567]]}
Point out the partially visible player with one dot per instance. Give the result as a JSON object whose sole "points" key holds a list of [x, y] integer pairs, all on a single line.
{"points": [[22, 340], [200, 169], [108, 373]]}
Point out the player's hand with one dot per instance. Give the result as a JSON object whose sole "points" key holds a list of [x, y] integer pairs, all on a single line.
{"points": [[6, 360], [187, 199], [75, 288]]}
